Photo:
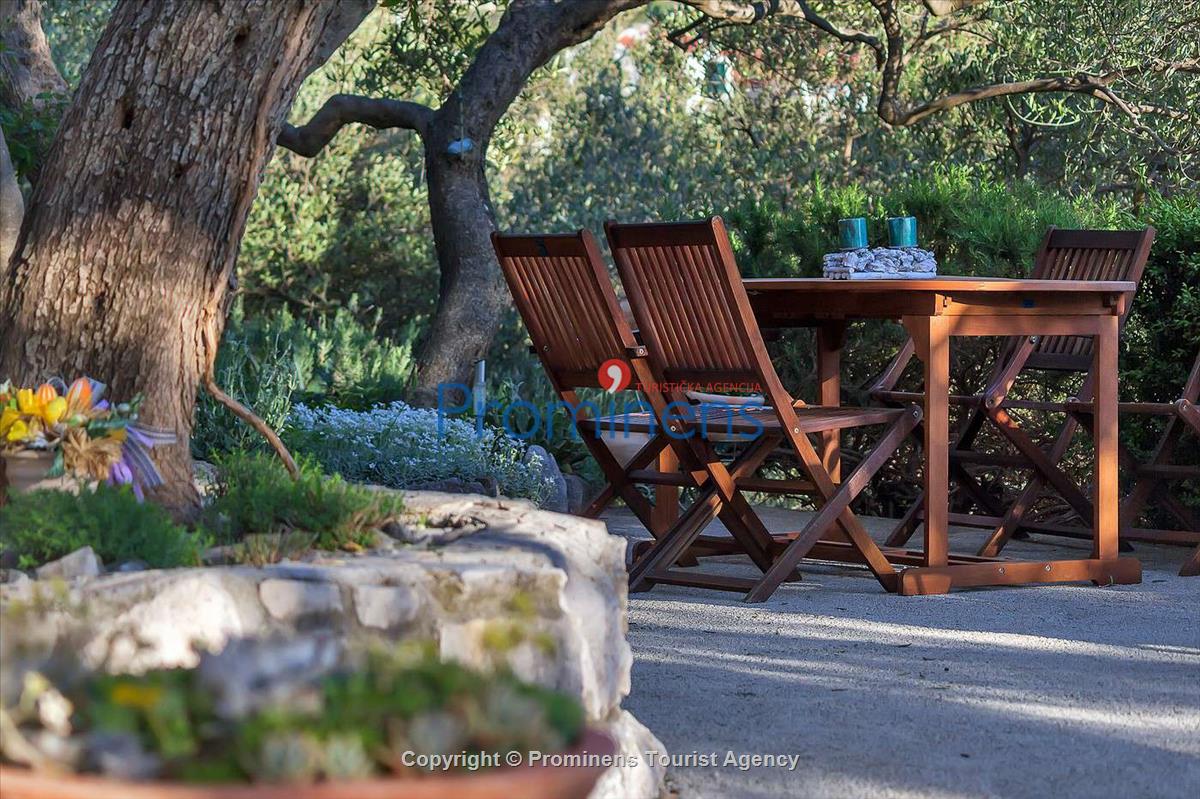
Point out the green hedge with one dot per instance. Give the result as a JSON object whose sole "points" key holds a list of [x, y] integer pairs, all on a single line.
{"points": [[981, 227]]}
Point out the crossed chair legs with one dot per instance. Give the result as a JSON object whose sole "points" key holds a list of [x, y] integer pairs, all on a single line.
{"points": [[776, 556], [1044, 463]]}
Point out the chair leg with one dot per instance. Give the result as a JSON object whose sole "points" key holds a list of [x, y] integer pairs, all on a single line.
{"points": [[668, 550], [1191, 567], [1047, 471], [1045, 464], [834, 508], [908, 525]]}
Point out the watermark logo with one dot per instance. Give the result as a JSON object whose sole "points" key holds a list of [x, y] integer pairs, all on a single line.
{"points": [[614, 375], [606, 417]]}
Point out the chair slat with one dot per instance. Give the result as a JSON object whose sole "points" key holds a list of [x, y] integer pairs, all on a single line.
{"points": [[1086, 255]]}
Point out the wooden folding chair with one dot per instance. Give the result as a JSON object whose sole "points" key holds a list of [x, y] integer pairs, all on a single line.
{"points": [[696, 322], [1151, 477], [565, 298], [1063, 255]]}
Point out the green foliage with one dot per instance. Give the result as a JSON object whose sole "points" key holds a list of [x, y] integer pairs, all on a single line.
{"points": [[256, 496], [975, 226], [1162, 334], [558, 437], [41, 526], [272, 361], [394, 703], [29, 130]]}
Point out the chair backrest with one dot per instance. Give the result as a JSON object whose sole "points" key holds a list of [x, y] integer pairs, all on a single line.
{"points": [[566, 299], [1085, 255], [691, 309]]}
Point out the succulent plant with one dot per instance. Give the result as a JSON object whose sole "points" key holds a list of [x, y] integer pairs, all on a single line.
{"points": [[294, 710], [346, 758], [286, 757]]}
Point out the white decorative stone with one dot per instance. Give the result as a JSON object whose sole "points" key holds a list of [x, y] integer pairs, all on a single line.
{"points": [[80, 563], [497, 582], [288, 600], [634, 740], [384, 607], [880, 263]]}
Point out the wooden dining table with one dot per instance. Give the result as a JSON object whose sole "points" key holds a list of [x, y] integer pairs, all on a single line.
{"points": [[933, 311]]}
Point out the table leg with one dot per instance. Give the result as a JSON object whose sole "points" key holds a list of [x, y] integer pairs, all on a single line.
{"points": [[931, 336], [1105, 494], [666, 497], [830, 339]]}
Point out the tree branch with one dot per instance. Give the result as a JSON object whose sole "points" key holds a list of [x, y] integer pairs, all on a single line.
{"points": [[343, 109], [1095, 85], [746, 13], [891, 59]]}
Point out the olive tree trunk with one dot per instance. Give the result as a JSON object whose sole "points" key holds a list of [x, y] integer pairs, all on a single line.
{"points": [[127, 251], [28, 77], [471, 293]]}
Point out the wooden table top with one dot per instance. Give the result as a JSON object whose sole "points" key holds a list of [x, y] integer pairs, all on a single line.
{"points": [[946, 284]]}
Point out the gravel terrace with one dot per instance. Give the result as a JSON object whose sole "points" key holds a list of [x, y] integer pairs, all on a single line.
{"points": [[1067, 690]]}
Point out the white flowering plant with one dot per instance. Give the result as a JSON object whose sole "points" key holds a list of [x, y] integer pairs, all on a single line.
{"points": [[399, 446]]}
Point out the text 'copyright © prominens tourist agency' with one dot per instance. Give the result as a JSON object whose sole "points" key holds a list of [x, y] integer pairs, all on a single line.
{"points": [[475, 761]]}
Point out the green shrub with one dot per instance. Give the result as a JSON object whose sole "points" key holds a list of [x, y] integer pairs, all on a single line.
{"points": [[256, 496], [263, 375], [974, 224], [41, 526], [982, 227], [269, 363], [1162, 334]]}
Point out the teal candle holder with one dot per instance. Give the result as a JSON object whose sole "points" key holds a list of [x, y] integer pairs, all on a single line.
{"points": [[902, 231], [852, 233]]}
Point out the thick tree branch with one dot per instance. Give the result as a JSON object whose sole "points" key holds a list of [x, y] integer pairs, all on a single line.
{"points": [[1098, 86], [343, 109]]}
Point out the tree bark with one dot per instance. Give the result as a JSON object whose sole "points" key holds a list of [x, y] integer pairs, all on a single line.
{"points": [[26, 68], [12, 204], [127, 252], [471, 293], [27, 76]]}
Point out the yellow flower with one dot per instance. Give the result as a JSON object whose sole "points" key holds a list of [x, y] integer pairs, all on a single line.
{"points": [[18, 432], [7, 417], [26, 401], [131, 694], [55, 409]]}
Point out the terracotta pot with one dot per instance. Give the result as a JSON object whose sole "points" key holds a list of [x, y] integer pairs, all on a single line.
{"points": [[26, 471], [521, 782]]}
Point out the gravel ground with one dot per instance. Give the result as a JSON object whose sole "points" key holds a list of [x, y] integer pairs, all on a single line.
{"points": [[1067, 690]]}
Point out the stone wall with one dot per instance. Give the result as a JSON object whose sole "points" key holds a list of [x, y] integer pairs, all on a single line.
{"points": [[492, 581]]}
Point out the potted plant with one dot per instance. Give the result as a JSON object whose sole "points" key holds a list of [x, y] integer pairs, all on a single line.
{"points": [[59, 437], [300, 718]]}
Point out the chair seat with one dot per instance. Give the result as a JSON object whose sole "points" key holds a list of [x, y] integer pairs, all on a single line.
{"points": [[722, 424]]}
